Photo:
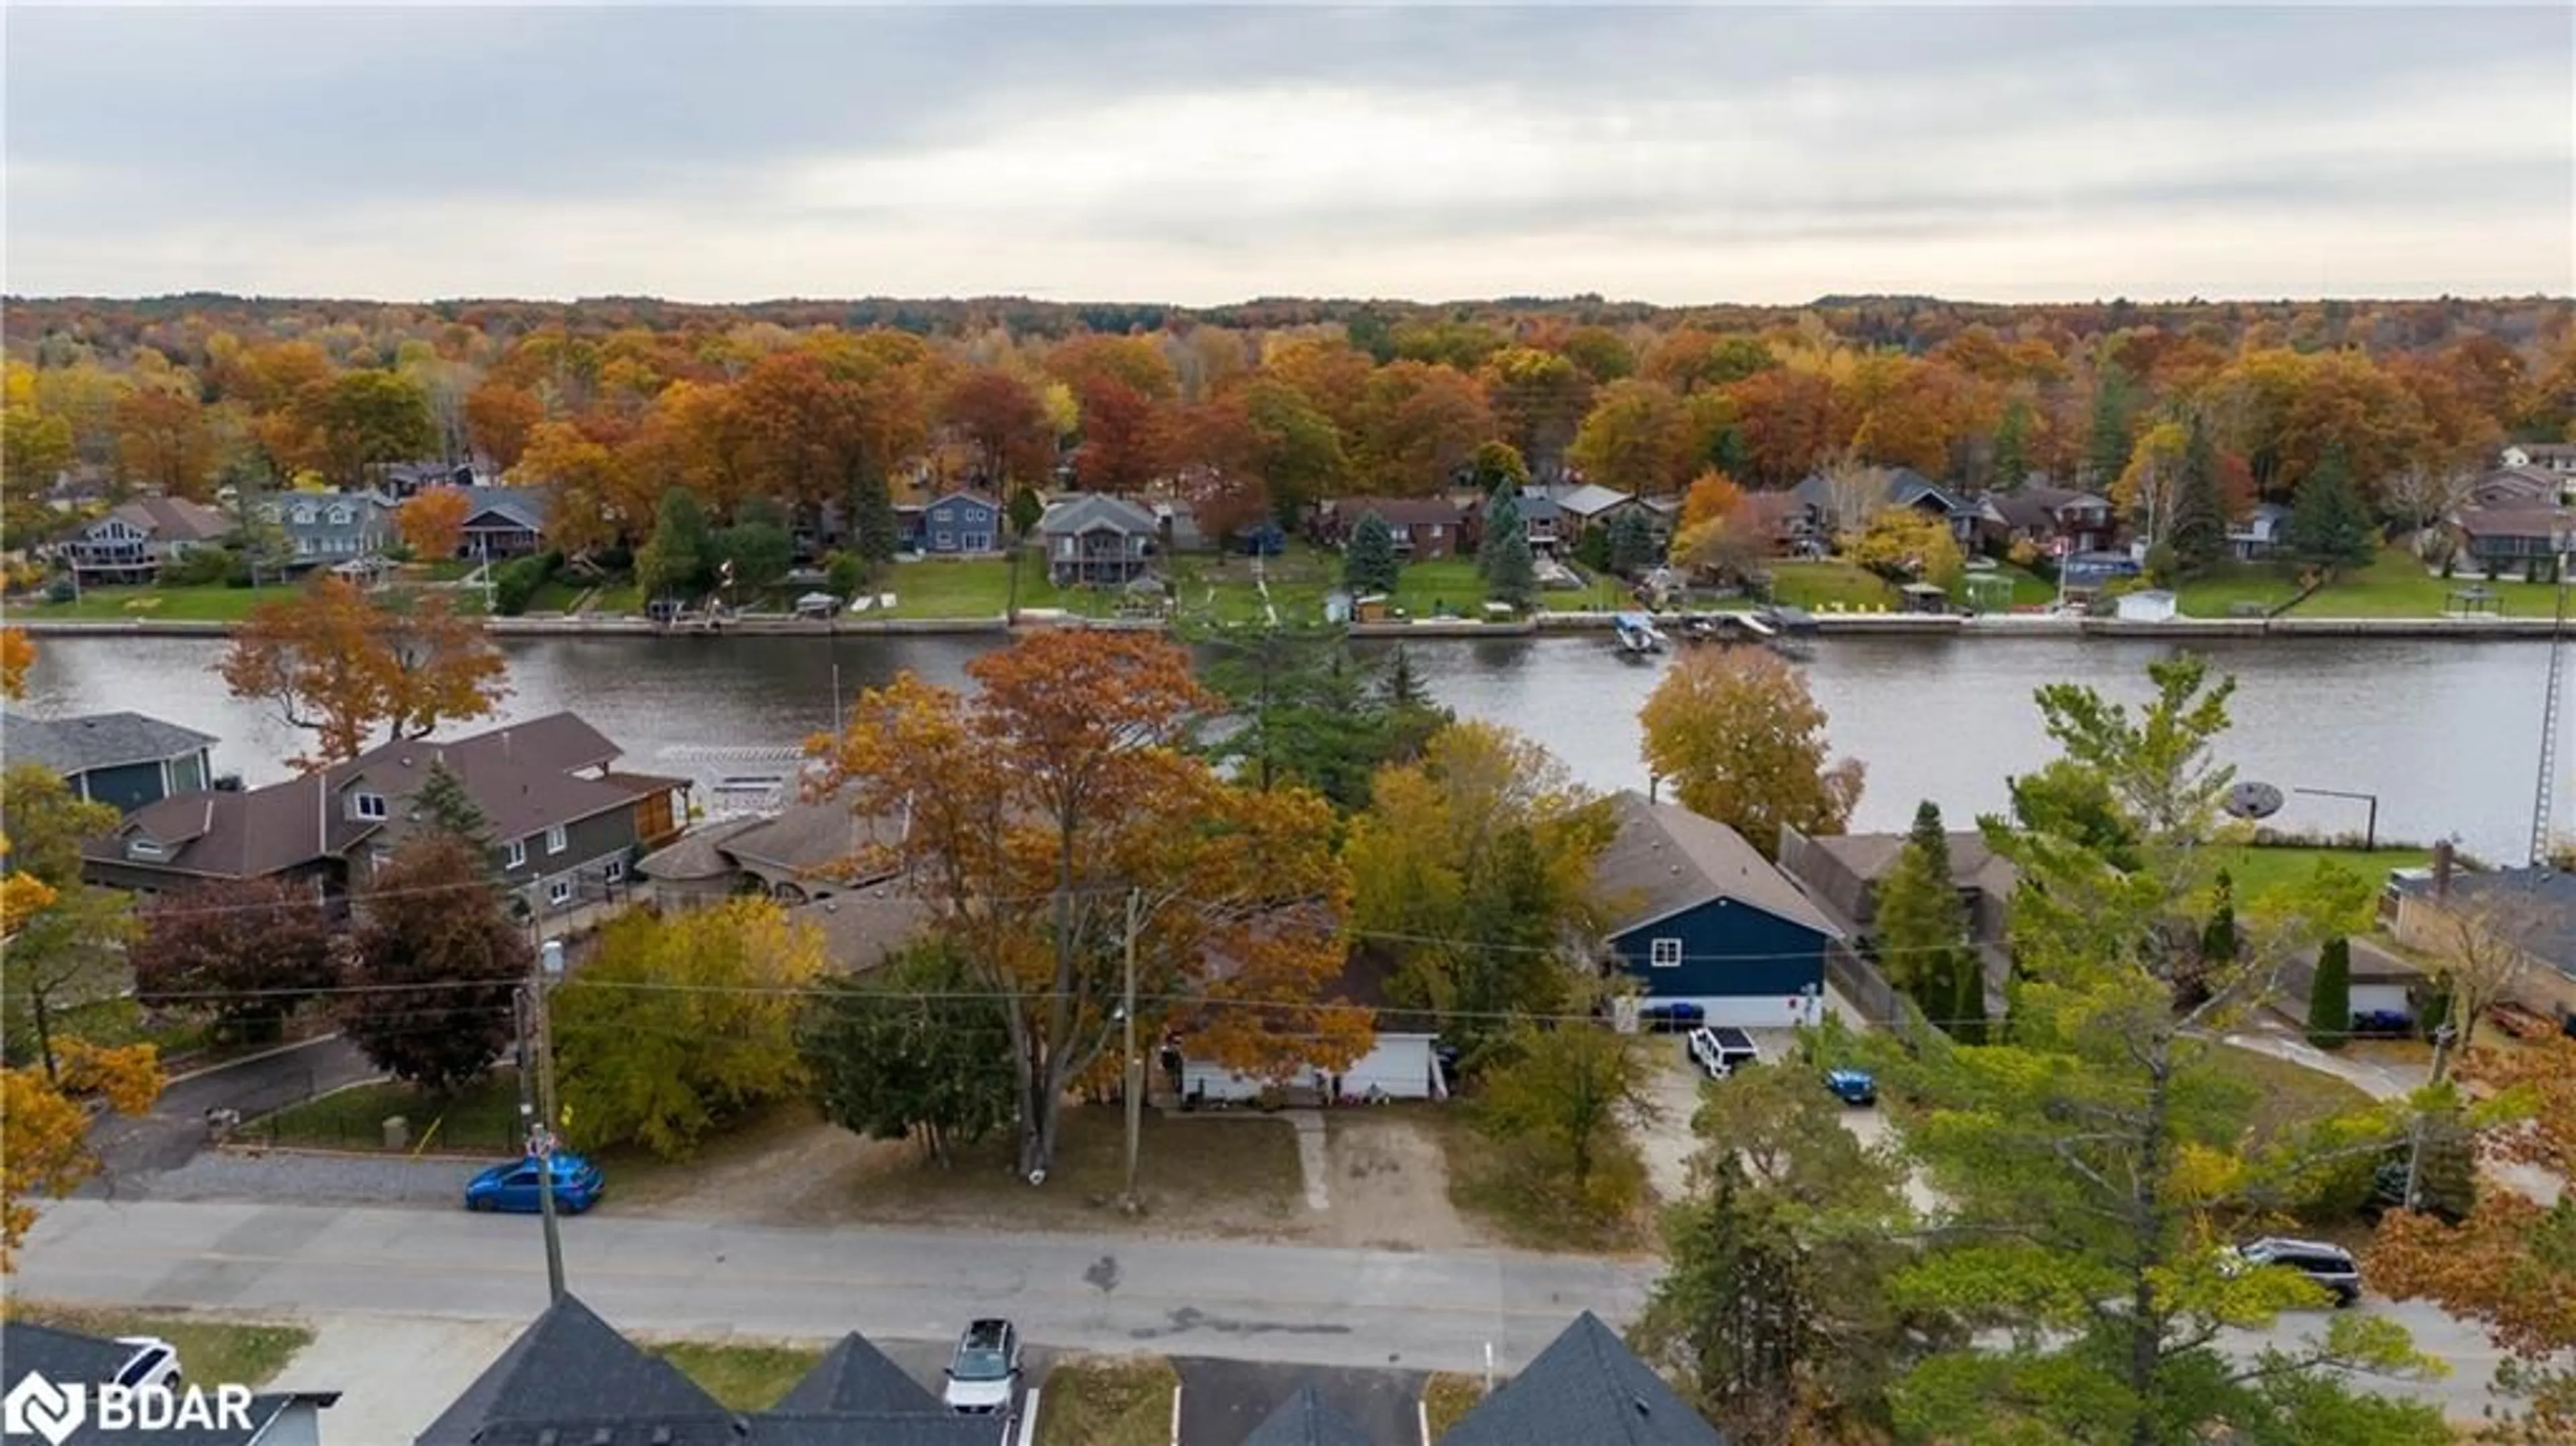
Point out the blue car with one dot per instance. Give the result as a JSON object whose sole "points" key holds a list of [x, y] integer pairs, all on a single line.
{"points": [[512, 1186], [1852, 1086]]}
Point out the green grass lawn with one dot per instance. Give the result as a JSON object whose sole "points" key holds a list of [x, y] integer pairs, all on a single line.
{"points": [[743, 1377], [211, 1352], [1490, 1184], [1816, 585], [2029, 589], [1446, 584], [2395, 585], [2288, 1094], [1103, 1401], [617, 599], [976, 588], [211, 603], [483, 1119], [445, 570], [555, 595], [2256, 871]]}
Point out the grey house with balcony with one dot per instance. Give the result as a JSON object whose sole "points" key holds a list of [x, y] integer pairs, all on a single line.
{"points": [[503, 522], [328, 529], [1098, 541], [130, 544], [567, 827], [125, 759]]}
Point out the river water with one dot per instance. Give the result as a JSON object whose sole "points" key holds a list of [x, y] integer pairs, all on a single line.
{"points": [[2446, 733]]}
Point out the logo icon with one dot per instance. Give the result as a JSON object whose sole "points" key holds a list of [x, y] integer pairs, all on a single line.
{"points": [[37, 1407]]}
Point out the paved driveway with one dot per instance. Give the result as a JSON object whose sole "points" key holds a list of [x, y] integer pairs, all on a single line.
{"points": [[1222, 1401], [133, 1150]]}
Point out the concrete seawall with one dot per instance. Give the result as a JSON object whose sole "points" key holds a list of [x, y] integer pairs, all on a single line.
{"points": [[1544, 624]]}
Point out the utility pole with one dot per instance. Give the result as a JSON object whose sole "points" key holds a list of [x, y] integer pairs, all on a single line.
{"points": [[2442, 1039], [541, 1131], [1135, 1074]]}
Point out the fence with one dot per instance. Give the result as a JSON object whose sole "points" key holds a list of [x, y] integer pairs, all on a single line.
{"points": [[483, 1119]]}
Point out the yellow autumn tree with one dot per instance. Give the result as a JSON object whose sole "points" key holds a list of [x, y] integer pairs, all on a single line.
{"points": [[1908, 543], [1741, 740], [17, 655]]}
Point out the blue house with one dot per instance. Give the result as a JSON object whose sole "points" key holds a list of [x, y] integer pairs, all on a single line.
{"points": [[121, 758], [961, 524], [1695, 913]]}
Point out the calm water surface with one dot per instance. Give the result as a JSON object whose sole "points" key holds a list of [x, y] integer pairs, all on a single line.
{"points": [[2446, 733]]}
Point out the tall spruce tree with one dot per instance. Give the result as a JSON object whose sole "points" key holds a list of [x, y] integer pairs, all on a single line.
{"points": [[2012, 446], [1369, 563], [1632, 543], [2198, 536], [1502, 519], [2329, 524], [2108, 439], [2330, 996], [1514, 575], [445, 805], [1923, 939]]}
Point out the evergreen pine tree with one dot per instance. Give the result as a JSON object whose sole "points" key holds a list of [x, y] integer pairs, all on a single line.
{"points": [[2107, 441], [1368, 562], [2329, 525], [446, 806], [1922, 931], [2012, 446], [1632, 543], [1502, 519], [872, 520], [2218, 939], [1512, 575], [2330, 996], [2199, 533]]}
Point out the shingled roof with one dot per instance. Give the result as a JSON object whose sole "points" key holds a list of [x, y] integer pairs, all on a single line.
{"points": [[1666, 859], [1304, 1420], [856, 1376], [96, 740], [1586, 1389], [571, 1366]]}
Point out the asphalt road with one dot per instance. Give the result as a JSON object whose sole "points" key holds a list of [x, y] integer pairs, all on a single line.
{"points": [[1352, 1308], [1409, 1311], [133, 1150]]}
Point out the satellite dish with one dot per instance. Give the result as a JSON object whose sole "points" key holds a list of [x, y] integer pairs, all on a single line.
{"points": [[2253, 800]]}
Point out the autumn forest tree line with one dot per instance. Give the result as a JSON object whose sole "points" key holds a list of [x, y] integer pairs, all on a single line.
{"points": [[1263, 408]]}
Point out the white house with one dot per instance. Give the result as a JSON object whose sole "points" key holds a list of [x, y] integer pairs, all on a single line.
{"points": [[2155, 605], [2548, 456], [1403, 1063]]}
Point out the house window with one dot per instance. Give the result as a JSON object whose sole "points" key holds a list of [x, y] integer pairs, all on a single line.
{"points": [[339, 517], [514, 854], [557, 840], [367, 805], [943, 540], [559, 891], [979, 542], [1665, 954], [614, 871], [142, 848]]}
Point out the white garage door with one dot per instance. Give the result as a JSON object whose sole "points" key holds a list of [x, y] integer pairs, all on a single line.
{"points": [[1755, 1011], [1401, 1065], [2381, 998]]}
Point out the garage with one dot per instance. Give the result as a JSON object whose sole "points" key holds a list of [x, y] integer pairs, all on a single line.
{"points": [[1402, 1066]]}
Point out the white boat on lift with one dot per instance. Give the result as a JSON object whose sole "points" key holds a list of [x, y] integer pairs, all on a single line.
{"points": [[1637, 634]]}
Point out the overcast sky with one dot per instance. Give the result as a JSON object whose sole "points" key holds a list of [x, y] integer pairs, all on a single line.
{"points": [[1201, 155]]}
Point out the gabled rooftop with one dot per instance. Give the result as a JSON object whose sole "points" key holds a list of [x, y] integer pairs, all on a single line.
{"points": [[96, 740], [1586, 1389], [1666, 859]]}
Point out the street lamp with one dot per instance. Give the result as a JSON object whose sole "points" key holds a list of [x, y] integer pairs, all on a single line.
{"points": [[2370, 834]]}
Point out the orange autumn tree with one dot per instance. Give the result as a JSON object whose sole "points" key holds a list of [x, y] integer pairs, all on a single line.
{"points": [[44, 1127], [17, 655], [2511, 1265], [349, 666], [433, 523], [1042, 806]]}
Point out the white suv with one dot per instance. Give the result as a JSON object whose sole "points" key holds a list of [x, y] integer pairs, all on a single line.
{"points": [[1720, 1050], [155, 1362]]}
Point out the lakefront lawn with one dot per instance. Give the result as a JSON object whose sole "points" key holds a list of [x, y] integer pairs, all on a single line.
{"points": [[2395, 585], [210, 603]]}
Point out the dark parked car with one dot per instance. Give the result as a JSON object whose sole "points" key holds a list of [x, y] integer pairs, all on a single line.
{"points": [[1675, 1017], [1855, 1087], [512, 1186], [2330, 1266]]}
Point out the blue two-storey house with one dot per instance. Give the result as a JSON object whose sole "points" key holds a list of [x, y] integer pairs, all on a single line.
{"points": [[960, 524], [1695, 914]]}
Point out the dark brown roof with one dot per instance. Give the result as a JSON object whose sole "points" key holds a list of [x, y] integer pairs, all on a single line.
{"points": [[175, 519], [816, 838], [1869, 856], [2517, 521], [522, 776], [1401, 511], [2039, 506], [1666, 859]]}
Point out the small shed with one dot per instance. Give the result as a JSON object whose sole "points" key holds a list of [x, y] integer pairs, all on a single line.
{"points": [[1925, 597], [2152, 605], [1989, 592], [1375, 607]]}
